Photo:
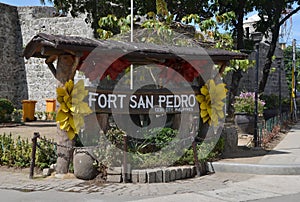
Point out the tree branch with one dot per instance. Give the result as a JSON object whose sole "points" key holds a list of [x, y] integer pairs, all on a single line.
{"points": [[288, 16]]}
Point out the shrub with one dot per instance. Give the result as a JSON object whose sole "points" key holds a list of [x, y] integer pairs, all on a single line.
{"points": [[272, 101], [245, 102], [17, 152], [6, 109]]}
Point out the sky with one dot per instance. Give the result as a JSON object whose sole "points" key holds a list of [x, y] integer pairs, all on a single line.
{"points": [[293, 33], [24, 2]]}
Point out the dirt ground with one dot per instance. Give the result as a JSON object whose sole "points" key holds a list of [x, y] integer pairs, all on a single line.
{"points": [[26, 130], [245, 152]]}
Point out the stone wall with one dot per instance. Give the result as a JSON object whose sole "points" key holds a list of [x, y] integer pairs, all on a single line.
{"points": [[13, 85], [247, 82], [33, 20]]}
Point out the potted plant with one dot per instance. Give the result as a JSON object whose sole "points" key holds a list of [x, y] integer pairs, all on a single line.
{"points": [[244, 107]]}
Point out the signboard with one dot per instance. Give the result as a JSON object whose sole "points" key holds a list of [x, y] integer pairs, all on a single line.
{"points": [[142, 101]]}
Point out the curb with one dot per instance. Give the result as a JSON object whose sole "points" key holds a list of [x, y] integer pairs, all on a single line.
{"points": [[258, 169]]}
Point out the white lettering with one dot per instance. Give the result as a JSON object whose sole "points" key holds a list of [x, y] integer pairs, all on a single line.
{"points": [[121, 100], [161, 99], [184, 101], [169, 101], [112, 98], [133, 102], [149, 102], [192, 101], [92, 98], [177, 101], [141, 103], [104, 101]]}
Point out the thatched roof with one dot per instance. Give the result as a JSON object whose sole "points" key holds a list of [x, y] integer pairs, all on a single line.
{"points": [[44, 45]]}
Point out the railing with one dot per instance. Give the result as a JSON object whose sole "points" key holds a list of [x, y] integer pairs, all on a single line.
{"points": [[265, 127]]}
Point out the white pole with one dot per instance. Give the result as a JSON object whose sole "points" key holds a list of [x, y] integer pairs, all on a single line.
{"points": [[131, 40]]}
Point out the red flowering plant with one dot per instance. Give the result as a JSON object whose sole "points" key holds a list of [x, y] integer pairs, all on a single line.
{"points": [[245, 103]]}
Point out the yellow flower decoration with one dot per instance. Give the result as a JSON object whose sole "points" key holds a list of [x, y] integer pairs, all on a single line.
{"points": [[72, 108], [211, 102]]}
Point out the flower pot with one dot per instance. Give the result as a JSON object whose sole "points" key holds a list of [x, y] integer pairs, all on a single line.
{"points": [[28, 107], [244, 122], [50, 105], [83, 163]]}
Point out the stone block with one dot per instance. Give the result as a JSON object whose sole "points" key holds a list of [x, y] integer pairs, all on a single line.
{"points": [[172, 174], [193, 171], [46, 172], [178, 174], [114, 178], [166, 175], [186, 172], [135, 176], [142, 176], [151, 176], [159, 176], [183, 173], [114, 171]]}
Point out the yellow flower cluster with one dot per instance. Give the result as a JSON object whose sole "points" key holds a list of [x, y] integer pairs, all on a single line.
{"points": [[72, 109], [211, 102]]}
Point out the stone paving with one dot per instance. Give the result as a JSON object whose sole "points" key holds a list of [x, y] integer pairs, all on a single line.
{"points": [[21, 182], [216, 187]]}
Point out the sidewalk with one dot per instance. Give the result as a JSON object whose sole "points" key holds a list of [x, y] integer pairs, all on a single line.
{"points": [[231, 182], [284, 159]]}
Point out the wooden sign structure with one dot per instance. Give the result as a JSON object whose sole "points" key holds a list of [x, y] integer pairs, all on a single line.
{"points": [[70, 53]]}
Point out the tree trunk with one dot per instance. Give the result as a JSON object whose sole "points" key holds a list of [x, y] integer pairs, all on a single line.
{"points": [[64, 154], [237, 74], [235, 80], [268, 62], [239, 26]]}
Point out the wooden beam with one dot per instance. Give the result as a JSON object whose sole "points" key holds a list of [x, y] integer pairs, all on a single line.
{"points": [[49, 61]]}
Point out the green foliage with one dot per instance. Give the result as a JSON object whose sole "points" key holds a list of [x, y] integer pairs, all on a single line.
{"points": [[239, 65], [288, 64], [161, 8], [111, 25], [17, 115], [213, 150], [17, 152], [272, 101], [109, 150], [148, 152], [22, 153], [45, 154], [96, 9], [43, 115], [245, 103], [6, 109]]}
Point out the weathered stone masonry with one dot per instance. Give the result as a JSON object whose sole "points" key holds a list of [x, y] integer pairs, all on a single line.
{"points": [[30, 79], [13, 81]]}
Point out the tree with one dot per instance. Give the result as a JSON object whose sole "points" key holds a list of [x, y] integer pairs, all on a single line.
{"points": [[288, 60], [240, 8], [95, 9], [270, 13]]}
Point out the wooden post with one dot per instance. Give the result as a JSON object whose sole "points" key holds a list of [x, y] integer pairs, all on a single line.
{"points": [[125, 179], [64, 72], [194, 145], [33, 152], [196, 160]]}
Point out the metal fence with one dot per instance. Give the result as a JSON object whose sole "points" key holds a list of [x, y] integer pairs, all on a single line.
{"points": [[265, 127]]}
